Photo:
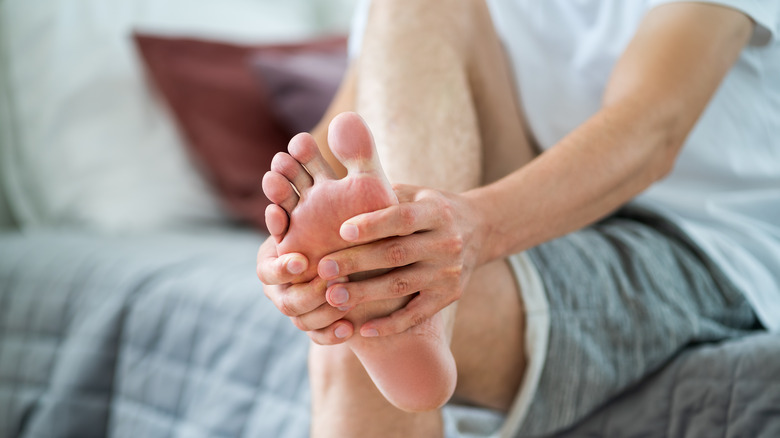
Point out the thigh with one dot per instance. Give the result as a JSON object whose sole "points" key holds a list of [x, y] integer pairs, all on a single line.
{"points": [[623, 297]]}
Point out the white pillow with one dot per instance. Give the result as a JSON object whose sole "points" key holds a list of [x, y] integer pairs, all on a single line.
{"points": [[85, 142]]}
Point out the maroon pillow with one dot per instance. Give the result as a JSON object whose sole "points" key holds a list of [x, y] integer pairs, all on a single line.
{"points": [[226, 113], [300, 84]]}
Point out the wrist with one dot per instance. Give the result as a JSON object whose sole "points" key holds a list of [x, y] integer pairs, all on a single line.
{"points": [[485, 245]]}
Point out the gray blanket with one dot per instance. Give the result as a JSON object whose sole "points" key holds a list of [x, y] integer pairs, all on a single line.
{"points": [[171, 336]]}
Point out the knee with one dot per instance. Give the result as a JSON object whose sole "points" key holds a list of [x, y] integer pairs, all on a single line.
{"points": [[461, 25]]}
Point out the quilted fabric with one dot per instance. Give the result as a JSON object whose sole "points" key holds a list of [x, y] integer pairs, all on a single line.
{"points": [[724, 390], [171, 336], [160, 336]]}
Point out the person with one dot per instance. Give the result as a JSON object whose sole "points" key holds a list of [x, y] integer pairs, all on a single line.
{"points": [[538, 284]]}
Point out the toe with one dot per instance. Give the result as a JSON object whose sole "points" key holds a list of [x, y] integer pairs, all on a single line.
{"points": [[276, 221], [291, 169], [352, 143], [278, 190], [304, 149]]}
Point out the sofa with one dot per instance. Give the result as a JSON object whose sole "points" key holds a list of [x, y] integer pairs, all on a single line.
{"points": [[129, 305]]}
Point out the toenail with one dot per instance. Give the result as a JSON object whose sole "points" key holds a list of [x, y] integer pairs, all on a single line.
{"points": [[339, 295], [341, 331], [369, 333], [330, 269], [349, 232], [295, 266]]}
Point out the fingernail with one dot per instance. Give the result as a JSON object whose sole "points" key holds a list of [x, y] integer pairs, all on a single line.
{"points": [[344, 308], [329, 269], [339, 295], [369, 333], [295, 266], [341, 331], [349, 232]]}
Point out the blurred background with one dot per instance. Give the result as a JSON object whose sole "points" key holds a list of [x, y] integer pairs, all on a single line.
{"points": [[134, 135], [139, 115]]}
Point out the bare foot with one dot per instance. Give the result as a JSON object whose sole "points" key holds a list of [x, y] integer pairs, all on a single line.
{"points": [[414, 370]]}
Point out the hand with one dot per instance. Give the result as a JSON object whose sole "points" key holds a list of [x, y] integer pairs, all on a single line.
{"points": [[430, 241], [303, 302]]}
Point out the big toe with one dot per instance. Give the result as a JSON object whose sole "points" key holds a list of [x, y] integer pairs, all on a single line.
{"points": [[352, 143]]}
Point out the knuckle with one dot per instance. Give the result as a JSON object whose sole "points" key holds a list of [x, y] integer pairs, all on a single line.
{"points": [[347, 264], [400, 286], [396, 254], [454, 244], [417, 319], [455, 271], [427, 193], [286, 307], [446, 211], [407, 215]]}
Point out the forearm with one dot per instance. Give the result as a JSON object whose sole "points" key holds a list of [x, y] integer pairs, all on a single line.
{"points": [[597, 168], [655, 95]]}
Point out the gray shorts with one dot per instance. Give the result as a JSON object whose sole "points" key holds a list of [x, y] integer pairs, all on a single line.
{"points": [[606, 306]]}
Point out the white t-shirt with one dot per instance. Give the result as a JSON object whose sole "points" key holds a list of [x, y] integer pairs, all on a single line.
{"points": [[724, 190]]}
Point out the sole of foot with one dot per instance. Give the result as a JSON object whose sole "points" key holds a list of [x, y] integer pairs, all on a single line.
{"points": [[415, 369]]}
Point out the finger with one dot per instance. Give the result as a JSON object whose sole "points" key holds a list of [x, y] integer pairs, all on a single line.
{"points": [[397, 220], [336, 333], [421, 308], [282, 270], [388, 253], [276, 220], [298, 299], [397, 283], [319, 318], [279, 270]]}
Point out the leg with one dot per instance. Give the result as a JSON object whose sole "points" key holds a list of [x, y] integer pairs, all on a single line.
{"points": [[401, 84], [414, 370], [489, 338], [488, 348], [346, 403], [434, 86], [474, 75]]}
